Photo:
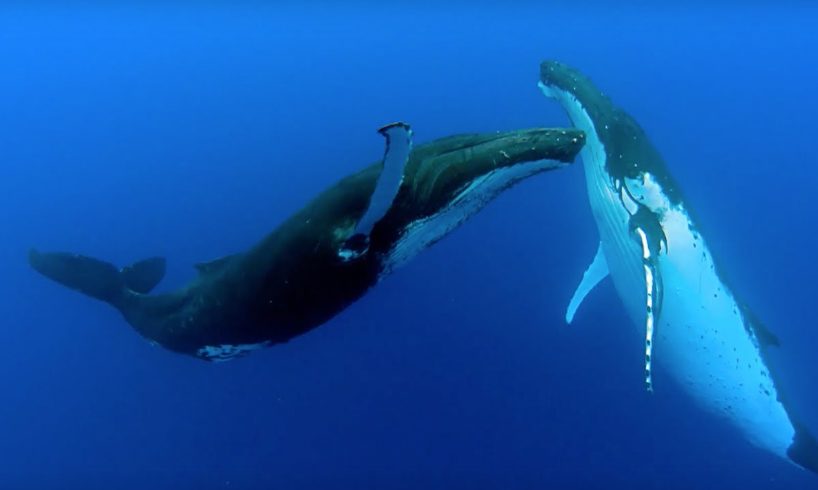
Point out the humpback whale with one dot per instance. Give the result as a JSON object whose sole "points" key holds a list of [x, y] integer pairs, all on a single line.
{"points": [[666, 276], [328, 254]]}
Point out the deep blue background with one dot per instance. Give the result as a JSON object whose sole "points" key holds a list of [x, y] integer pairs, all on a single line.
{"points": [[191, 132]]}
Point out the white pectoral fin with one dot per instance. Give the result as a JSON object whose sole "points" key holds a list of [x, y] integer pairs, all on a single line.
{"points": [[651, 305], [396, 155], [596, 272], [649, 324]]}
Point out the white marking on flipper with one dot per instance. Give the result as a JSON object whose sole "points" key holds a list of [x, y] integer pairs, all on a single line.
{"points": [[649, 318], [644, 238], [396, 155], [649, 330], [596, 272]]}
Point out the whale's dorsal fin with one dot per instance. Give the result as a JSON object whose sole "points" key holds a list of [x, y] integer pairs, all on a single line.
{"points": [[764, 336], [596, 272], [213, 265]]}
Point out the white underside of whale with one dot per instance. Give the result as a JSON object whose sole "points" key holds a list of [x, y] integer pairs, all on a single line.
{"points": [[227, 352], [701, 337], [423, 233]]}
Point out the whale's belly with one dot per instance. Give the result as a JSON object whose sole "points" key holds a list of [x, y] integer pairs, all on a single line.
{"points": [[702, 336], [709, 345]]}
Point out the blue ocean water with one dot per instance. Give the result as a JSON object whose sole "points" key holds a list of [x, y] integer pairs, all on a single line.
{"points": [[190, 132]]}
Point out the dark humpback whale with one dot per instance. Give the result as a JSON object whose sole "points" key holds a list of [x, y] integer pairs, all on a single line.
{"points": [[329, 253], [667, 278]]}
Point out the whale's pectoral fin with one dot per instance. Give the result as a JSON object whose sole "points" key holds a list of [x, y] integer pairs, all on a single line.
{"points": [[653, 301], [396, 155], [97, 278], [649, 325], [596, 272]]}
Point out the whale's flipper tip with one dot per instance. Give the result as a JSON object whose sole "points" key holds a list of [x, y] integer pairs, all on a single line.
{"points": [[399, 125], [596, 272], [804, 449]]}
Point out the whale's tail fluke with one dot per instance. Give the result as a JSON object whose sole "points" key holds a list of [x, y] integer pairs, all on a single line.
{"points": [[97, 278]]}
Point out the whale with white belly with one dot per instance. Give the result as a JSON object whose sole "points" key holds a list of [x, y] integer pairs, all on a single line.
{"points": [[665, 274]]}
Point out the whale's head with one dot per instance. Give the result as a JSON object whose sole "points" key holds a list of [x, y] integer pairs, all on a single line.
{"points": [[451, 179]]}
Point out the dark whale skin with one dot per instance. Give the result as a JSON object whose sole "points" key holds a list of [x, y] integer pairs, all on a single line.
{"points": [[293, 279]]}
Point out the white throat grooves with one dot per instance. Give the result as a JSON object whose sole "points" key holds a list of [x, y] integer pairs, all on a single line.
{"points": [[423, 232]]}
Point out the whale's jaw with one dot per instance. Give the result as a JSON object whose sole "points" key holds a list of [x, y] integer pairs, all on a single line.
{"points": [[666, 277], [453, 185]]}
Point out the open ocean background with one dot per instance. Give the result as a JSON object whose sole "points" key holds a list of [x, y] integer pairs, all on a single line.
{"points": [[192, 131]]}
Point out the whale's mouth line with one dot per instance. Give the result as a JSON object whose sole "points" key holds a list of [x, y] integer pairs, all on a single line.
{"points": [[505, 136]]}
